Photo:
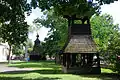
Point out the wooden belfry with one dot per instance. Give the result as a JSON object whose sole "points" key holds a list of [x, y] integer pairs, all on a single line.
{"points": [[79, 54]]}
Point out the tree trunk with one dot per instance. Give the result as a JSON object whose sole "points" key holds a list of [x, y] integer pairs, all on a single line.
{"points": [[9, 57]]}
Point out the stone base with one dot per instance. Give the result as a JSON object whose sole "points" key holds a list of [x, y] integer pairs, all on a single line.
{"points": [[81, 70]]}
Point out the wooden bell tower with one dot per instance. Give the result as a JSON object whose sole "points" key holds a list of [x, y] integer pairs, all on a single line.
{"points": [[80, 54]]}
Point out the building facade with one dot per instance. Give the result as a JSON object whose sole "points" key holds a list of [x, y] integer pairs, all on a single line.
{"points": [[4, 50]]}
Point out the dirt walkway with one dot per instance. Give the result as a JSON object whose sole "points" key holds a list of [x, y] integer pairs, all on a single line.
{"points": [[5, 68]]}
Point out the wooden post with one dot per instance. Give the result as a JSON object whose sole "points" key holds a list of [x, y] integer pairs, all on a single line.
{"points": [[98, 60], [64, 59], [83, 59], [68, 60], [90, 59], [73, 59]]}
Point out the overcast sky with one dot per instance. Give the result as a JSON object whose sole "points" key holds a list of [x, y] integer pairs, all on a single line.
{"points": [[43, 31], [112, 9]]}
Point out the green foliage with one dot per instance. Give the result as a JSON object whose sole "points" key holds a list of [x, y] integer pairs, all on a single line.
{"points": [[29, 45], [13, 27], [80, 8], [107, 37], [12, 8], [18, 49], [103, 30], [114, 47], [114, 51], [57, 34], [30, 50], [14, 33]]}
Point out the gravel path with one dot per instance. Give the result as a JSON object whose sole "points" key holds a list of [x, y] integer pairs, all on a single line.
{"points": [[5, 68]]}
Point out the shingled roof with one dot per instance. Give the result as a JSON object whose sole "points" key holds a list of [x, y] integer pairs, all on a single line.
{"points": [[81, 44]]}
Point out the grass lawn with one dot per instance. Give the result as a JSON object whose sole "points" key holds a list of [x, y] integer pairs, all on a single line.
{"points": [[48, 70]]}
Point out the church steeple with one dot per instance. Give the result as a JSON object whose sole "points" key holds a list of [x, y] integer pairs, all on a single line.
{"points": [[37, 41], [37, 35]]}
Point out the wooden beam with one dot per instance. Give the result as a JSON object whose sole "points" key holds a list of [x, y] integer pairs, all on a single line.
{"points": [[98, 60]]}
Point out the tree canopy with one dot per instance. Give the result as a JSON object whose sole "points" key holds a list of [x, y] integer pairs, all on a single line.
{"points": [[13, 27], [103, 29], [80, 8], [14, 8], [57, 34], [107, 36], [46, 4]]}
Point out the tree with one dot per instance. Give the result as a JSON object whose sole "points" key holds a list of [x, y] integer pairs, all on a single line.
{"points": [[14, 8], [103, 29], [46, 4], [29, 45], [57, 34], [13, 27], [18, 50], [51, 45], [80, 8], [14, 33], [106, 35], [114, 51]]}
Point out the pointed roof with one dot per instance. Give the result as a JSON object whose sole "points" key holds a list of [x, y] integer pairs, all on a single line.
{"points": [[81, 44], [37, 41]]}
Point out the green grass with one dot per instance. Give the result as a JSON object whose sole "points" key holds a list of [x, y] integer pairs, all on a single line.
{"points": [[36, 65], [103, 70], [48, 70]]}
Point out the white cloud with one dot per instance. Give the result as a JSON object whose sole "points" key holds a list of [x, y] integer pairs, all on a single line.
{"points": [[112, 9], [35, 14], [42, 34], [43, 31]]}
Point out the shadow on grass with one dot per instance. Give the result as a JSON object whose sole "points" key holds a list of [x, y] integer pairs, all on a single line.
{"points": [[104, 76], [35, 64], [21, 78], [34, 71], [54, 70]]}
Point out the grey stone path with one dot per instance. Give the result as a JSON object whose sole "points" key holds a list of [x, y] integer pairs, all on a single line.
{"points": [[5, 68]]}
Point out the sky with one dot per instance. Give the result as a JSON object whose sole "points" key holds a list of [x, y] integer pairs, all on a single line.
{"points": [[42, 31], [112, 9]]}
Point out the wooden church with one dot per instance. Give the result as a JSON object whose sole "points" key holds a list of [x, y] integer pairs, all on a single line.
{"points": [[37, 53]]}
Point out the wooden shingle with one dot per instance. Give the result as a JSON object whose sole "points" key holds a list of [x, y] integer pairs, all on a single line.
{"points": [[81, 44]]}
